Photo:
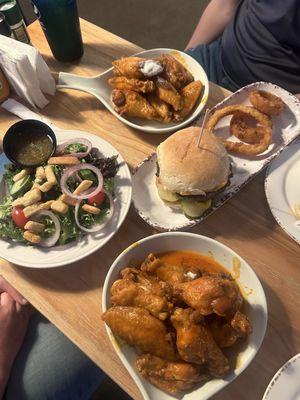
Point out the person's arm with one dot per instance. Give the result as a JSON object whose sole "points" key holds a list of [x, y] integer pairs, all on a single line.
{"points": [[213, 21], [14, 318]]}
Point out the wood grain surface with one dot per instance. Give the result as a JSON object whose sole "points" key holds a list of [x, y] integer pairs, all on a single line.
{"points": [[70, 297]]}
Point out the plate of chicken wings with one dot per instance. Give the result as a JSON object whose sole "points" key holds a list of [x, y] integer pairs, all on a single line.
{"points": [[185, 314], [159, 88]]}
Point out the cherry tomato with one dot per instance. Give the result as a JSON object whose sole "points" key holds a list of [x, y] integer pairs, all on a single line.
{"points": [[97, 200], [18, 217]]}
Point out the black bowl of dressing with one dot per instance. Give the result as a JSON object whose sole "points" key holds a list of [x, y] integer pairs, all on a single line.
{"points": [[29, 143]]}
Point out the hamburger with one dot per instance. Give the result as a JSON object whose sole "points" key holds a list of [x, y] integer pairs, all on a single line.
{"points": [[188, 176]]}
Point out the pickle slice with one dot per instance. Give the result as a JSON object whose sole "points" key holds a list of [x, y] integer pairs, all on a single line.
{"points": [[194, 209], [165, 194]]}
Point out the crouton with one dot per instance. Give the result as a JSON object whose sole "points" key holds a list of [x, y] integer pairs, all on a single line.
{"points": [[32, 237], [68, 200], [21, 175], [40, 175], [34, 227], [50, 175], [91, 209], [59, 207], [63, 160], [84, 185], [31, 197]]}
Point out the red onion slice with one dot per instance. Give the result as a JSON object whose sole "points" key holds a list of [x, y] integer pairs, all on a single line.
{"points": [[86, 194], [51, 240], [62, 147], [107, 218]]}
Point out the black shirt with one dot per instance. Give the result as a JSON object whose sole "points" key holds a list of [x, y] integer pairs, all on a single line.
{"points": [[262, 42]]}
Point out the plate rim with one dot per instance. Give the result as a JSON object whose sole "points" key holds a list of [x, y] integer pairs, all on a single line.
{"points": [[277, 374], [50, 264]]}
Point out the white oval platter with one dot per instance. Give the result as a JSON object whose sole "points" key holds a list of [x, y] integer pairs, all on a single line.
{"points": [[286, 128]]}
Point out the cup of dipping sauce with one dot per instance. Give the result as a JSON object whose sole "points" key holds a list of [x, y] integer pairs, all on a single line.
{"points": [[29, 143]]}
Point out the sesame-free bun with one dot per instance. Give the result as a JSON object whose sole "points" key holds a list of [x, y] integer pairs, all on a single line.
{"points": [[188, 170]]}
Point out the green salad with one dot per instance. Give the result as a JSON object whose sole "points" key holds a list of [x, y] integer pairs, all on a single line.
{"points": [[56, 203]]}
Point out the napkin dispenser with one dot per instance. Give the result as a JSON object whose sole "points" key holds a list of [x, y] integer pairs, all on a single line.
{"points": [[4, 87]]}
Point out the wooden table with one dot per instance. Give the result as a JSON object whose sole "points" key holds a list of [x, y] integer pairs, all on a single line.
{"points": [[71, 296]]}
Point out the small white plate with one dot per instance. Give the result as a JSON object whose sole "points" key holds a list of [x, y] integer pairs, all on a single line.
{"points": [[285, 384], [286, 128], [282, 187], [247, 280], [98, 86], [36, 257]]}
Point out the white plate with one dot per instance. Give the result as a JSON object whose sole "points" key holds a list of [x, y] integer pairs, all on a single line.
{"points": [[285, 384], [248, 281], [98, 86], [286, 128], [282, 187], [35, 257]]}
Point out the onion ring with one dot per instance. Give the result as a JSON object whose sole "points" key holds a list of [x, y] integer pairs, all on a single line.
{"points": [[62, 147], [86, 194], [51, 240], [244, 127], [239, 147], [266, 102], [107, 218]]}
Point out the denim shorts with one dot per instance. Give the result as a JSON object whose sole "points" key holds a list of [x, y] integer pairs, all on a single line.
{"points": [[209, 56]]}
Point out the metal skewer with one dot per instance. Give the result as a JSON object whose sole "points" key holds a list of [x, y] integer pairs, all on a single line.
{"points": [[202, 127]]}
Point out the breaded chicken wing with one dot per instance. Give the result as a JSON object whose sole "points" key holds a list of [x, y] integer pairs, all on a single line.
{"points": [[174, 71], [209, 294], [140, 329], [129, 67], [189, 95], [137, 85], [166, 92], [195, 343], [241, 324], [172, 274], [132, 104], [136, 288], [162, 108], [172, 377]]}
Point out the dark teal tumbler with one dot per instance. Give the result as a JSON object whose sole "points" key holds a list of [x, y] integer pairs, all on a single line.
{"points": [[60, 22]]}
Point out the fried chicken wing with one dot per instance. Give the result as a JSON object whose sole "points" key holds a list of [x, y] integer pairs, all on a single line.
{"points": [[140, 329], [175, 72], [132, 104], [129, 67], [212, 294], [166, 92], [170, 273], [162, 108], [172, 377], [222, 332], [136, 288], [195, 343], [137, 85], [189, 95], [241, 324]]}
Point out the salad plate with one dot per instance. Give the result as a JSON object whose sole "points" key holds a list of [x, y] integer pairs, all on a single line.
{"points": [[282, 190], [59, 255], [286, 127]]}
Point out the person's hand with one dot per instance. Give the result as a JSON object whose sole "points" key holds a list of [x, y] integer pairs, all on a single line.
{"points": [[14, 317]]}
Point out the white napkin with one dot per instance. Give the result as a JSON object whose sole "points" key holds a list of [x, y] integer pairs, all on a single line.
{"points": [[26, 71], [23, 112]]}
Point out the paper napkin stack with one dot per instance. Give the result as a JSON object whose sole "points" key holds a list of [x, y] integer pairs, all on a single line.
{"points": [[26, 71]]}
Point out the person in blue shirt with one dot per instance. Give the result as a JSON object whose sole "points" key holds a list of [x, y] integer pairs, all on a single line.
{"points": [[243, 41], [37, 361]]}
